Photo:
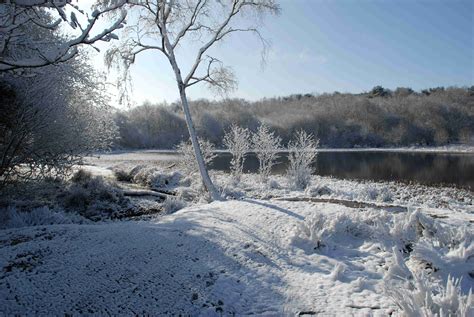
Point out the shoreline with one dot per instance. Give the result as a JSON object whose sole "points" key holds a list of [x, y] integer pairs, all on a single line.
{"points": [[462, 149]]}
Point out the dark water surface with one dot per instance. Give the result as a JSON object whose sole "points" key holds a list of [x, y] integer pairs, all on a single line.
{"points": [[452, 169]]}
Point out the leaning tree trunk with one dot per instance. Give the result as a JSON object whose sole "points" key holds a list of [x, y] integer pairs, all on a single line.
{"points": [[192, 132], [197, 149]]}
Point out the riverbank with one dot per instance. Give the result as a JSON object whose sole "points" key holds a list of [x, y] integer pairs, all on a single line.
{"points": [[338, 248], [459, 148]]}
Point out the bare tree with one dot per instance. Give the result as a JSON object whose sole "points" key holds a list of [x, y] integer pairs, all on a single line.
{"points": [[302, 154], [18, 51], [237, 140], [266, 145], [163, 25]]}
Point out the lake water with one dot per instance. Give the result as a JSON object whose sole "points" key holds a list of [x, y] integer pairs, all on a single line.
{"points": [[452, 169]]}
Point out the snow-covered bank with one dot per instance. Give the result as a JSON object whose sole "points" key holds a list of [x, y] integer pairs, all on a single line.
{"points": [[447, 199], [407, 195], [234, 257], [338, 248]]}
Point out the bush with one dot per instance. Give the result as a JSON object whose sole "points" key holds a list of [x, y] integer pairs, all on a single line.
{"points": [[425, 251], [81, 176], [173, 204], [237, 140], [266, 145], [421, 298], [93, 197], [301, 156], [14, 218]]}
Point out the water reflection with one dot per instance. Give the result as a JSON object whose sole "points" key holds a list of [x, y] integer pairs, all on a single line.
{"points": [[426, 168]]}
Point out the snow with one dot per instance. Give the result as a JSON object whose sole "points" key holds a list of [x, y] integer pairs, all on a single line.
{"points": [[398, 196], [241, 256], [340, 247]]}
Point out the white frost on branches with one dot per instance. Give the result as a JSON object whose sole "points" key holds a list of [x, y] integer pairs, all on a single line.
{"points": [[266, 145], [237, 141], [16, 17], [301, 155]]}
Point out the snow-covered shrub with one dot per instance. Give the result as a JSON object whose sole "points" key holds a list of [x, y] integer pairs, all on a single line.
{"points": [[318, 190], [81, 176], [330, 230], [148, 175], [426, 252], [173, 204], [401, 231], [237, 141], [121, 174], [398, 268], [266, 145], [407, 228], [371, 193], [273, 184], [440, 260], [385, 195], [94, 197], [420, 297], [230, 189], [187, 194], [160, 179], [141, 174], [14, 218], [188, 164], [301, 156], [155, 177]]}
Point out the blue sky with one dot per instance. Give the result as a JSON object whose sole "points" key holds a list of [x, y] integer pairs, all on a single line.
{"points": [[345, 45]]}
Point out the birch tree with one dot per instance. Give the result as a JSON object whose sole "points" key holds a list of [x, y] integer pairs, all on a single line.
{"points": [[164, 25]]}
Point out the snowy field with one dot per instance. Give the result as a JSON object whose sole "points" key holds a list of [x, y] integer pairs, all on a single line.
{"points": [[338, 248]]}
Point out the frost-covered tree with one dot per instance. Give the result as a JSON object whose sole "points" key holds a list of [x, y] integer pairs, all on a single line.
{"points": [[53, 104], [266, 145], [163, 26], [237, 140], [301, 155], [51, 120], [19, 49], [188, 164]]}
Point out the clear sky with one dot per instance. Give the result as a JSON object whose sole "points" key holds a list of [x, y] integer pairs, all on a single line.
{"points": [[345, 45]]}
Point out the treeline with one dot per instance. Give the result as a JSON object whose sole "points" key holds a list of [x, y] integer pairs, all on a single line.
{"points": [[379, 118]]}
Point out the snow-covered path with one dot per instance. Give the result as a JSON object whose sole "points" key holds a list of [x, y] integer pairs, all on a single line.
{"points": [[226, 257]]}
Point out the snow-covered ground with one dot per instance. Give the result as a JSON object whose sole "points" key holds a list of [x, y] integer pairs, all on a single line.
{"points": [[447, 199], [340, 247], [247, 257]]}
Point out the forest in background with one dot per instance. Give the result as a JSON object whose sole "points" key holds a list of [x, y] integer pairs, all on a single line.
{"points": [[379, 118]]}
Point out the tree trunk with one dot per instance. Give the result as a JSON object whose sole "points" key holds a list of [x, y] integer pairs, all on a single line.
{"points": [[197, 149], [189, 122]]}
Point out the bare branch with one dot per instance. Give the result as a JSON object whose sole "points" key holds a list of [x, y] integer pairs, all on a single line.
{"points": [[23, 12]]}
